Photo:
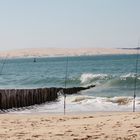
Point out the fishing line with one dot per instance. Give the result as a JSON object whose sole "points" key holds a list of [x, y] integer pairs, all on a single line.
{"points": [[66, 76], [135, 81], [4, 62]]}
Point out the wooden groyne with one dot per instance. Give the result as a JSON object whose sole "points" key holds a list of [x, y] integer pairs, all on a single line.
{"points": [[15, 98]]}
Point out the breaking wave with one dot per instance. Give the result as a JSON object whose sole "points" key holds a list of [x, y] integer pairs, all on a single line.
{"points": [[81, 98], [87, 78], [120, 100], [125, 80]]}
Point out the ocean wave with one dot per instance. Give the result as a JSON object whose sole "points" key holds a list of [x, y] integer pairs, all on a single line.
{"points": [[126, 80], [120, 100], [87, 78], [129, 76], [81, 98], [93, 103]]}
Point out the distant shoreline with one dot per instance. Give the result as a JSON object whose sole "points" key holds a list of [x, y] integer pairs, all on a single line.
{"points": [[62, 52]]}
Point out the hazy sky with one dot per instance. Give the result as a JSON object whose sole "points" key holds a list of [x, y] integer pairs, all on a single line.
{"points": [[69, 23]]}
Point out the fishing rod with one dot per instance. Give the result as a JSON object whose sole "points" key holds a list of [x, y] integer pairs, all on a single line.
{"points": [[66, 76], [135, 81], [4, 62]]}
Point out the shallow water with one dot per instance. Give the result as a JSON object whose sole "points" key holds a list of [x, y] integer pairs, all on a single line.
{"points": [[113, 76]]}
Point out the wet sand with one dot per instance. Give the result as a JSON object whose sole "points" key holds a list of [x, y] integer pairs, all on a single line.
{"points": [[101, 126]]}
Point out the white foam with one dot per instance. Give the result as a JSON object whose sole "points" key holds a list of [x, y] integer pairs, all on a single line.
{"points": [[84, 103], [89, 77], [129, 75]]}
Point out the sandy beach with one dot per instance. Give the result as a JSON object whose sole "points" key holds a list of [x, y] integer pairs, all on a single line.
{"points": [[101, 125], [50, 52]]}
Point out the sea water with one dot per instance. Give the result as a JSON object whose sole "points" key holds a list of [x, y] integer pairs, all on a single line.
{"points": [[113, 75]]}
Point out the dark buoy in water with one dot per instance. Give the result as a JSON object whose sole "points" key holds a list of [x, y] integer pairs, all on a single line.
{"points": [[34, 59]]}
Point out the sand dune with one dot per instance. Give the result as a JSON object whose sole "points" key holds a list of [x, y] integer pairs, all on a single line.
{"points": [[44, 52], [101, 126]]}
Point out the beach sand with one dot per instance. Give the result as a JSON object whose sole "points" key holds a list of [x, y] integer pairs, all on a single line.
{"points": [[90, 126], [50, 52]]}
